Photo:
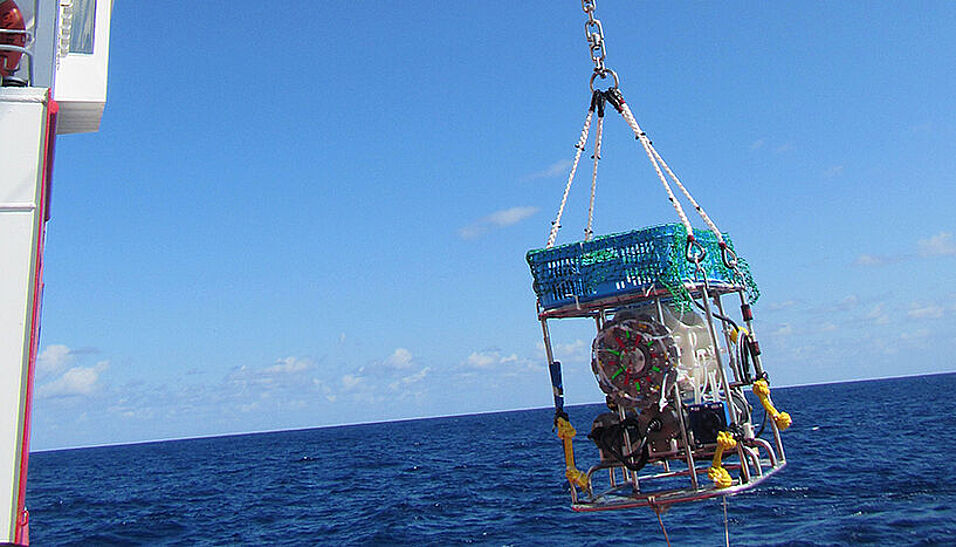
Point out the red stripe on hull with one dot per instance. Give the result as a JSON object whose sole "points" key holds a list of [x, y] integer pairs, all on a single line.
{"points": [[23, 516]]}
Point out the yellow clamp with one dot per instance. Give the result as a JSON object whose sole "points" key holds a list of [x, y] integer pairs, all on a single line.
{"points": [[575, 476], [762, 391], [735, 334], [717, 473]]}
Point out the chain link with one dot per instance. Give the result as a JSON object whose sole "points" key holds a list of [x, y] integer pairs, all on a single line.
{"points": [[594, 32]]}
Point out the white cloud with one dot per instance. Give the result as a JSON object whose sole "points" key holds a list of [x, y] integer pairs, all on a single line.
{"points": [[556, 169], [915, 336], [418, 376], [249, 407], [494, 361], [410, 379], [777, 306], [483, 359], [929, 311], [785, 330], [496, 220], [878, 315], [833, 171], [507, 217], [289, 365], [849, 302], [785, 147], [868, 260], [577, 351], [400, 358], [53, 359], [351, 381], [941, 244], [491, 358], [82, 381]]}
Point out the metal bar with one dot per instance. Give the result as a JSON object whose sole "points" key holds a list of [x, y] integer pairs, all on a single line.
{"points": [[670, 497], [14, 207], [723, 377], [744, 467], [547, 341], [688, 454], [550, 355], [734, 365], [671, 474], [778, 441], [769, 449], [758, 366], [584, 309], [627, 440], [754, 457], [720, 363]]}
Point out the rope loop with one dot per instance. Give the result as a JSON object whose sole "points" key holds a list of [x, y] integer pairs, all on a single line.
{"points": [[728, 256], [698, 254]]}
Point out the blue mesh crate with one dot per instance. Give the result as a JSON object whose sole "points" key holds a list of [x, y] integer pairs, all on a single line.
{"points": [[627, 263]]}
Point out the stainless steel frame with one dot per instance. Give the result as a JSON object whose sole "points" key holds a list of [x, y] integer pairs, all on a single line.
{"points": [[678, 479]]}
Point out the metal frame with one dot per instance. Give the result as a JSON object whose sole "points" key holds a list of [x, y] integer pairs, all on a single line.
{"points": [[678, 481]]}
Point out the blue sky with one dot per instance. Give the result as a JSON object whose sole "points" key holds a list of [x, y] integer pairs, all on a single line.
{"points": [[319, 216]]}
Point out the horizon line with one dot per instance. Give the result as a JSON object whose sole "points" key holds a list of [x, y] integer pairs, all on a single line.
{"points": [[397, 420]]}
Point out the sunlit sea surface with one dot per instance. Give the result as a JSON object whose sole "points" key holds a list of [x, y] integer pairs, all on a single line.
{"points": [[868, 462]]}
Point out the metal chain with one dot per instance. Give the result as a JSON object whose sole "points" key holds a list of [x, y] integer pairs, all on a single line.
{"points": [[594, 32]]}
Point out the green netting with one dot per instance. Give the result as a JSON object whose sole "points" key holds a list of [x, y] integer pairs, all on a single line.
{"points": [[630, 262]]}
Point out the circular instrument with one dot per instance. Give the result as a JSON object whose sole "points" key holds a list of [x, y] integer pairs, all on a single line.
{"points": [[631, 359], [11, 20]]}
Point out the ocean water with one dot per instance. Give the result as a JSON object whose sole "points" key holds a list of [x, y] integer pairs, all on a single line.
{"points": [[869, 462]]}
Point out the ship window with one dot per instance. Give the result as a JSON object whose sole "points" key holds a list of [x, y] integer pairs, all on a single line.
{"points": [[84, 20]]}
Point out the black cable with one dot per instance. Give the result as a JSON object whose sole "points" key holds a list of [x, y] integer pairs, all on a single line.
{"points": [[746, 355], [715, 314], [608, 437]]}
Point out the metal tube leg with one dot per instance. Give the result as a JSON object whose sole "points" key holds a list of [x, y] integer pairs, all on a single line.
{"points": [[547, 341], [778, 441], [734, 365], [627, 440], [720, 362], [688, 453], [758, 366], [744, 464]]}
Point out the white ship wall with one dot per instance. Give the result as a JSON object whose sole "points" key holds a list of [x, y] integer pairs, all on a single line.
{"points": [[23, 123]]}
